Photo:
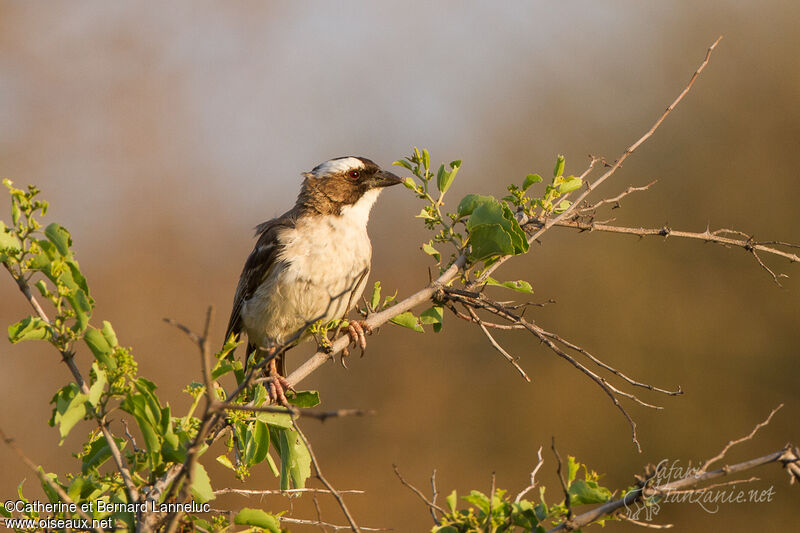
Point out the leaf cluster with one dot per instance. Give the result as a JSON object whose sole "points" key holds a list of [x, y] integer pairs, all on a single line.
{"points": [[500, 514], [42, 257]]}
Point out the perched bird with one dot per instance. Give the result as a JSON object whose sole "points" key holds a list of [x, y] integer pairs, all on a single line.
{"points": [[309, 264]]}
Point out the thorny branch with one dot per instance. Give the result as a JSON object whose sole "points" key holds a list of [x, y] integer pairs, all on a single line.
{"points": [[68, 358], [788, 457], [474, 300], [430, 503], [318, 474], [747, 242], [45, 478], [617, 164]]}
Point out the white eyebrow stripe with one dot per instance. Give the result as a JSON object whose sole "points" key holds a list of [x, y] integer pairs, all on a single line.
{"points": [[335, 166]]}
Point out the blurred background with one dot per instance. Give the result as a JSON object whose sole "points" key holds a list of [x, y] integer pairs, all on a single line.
{"points": [[161, 135]]}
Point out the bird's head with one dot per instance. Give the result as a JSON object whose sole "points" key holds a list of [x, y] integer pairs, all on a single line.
{"points": [[344, 181]]}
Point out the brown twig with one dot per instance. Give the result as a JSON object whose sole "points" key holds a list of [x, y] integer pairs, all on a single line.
{"points": [[68, 358], [287, 492], [46, 479], [301, 521], [618, 163], [747, 243], [591, 209], [532, 485], [497, 346], [733, 443], [431, 505], [564, 488], [789, 457], [470, 300], [318, 474]]}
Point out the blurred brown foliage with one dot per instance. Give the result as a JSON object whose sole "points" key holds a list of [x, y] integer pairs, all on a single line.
{"points": [[162, 135]]}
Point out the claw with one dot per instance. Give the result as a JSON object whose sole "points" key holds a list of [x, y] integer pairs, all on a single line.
{"points": [[357, 330], [278, 385]]}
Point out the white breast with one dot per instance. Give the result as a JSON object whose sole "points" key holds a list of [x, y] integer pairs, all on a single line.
{"points": [[322, 274]]}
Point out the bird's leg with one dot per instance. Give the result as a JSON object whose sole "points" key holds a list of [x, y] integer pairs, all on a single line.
{"points": [[357, 330], [277, 385]]}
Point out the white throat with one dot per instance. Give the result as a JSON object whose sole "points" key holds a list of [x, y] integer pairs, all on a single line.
{"points": [[357, 215]]}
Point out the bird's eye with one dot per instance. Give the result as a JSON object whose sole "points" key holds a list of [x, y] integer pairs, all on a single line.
{"points": [[354, 174]]}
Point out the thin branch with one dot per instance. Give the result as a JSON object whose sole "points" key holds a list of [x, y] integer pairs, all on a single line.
{"points": [[294, 412], [434, 494], [278, 492], [335, 527], [789, 457], [591, 209], [68, 358], [618, 163], [497, 346], [644, 524], [716, 486], [318, 474], [733, 443], [611, 369], [467, 298], [746, 243], [46, 479], [491, 500], [564, 488], [431, 505], [530, 487]]}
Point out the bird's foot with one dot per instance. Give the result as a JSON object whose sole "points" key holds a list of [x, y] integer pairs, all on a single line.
{"points": [[278, 385], [357, 330]]}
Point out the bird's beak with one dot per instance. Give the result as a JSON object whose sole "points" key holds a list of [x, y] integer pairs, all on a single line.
{"points": [[384, 178]]}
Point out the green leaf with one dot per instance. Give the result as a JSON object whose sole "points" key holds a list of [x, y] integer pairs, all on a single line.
{"points": [[304, 399], [408, 320], [15, 212], [295, 460], [102, 350], [424, 214], [279, 420], [478, 499], [70, 408], [471, 202], [201, 485], [261, 437], [490, 240], [426, 159], [520, 285], [108, 333], [559, 170], [8, 241], [59, 236], [452, 501], [570, 184], [494, 231], [97, 388], [530, 179], [444, 178], [572, 469], [428, 248], [408, 183], [257, 518], [588, 492], [99, 453], [30, 328], [403, 163], [375, 300], [226, 462], [433, 315]]}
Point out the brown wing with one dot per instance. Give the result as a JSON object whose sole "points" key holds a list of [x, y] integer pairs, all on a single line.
{"points": [[258, 265]]}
